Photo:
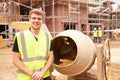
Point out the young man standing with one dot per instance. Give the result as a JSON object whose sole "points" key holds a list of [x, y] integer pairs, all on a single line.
{"points": [[31, 51], [99, 35], [94, 33]]}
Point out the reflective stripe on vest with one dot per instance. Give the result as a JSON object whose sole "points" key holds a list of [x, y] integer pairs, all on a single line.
{"points": [[20, 72], [26, 59]]}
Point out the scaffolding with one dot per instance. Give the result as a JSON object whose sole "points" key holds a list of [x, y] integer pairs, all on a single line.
{"points": [[62, 14], [8, 13]]}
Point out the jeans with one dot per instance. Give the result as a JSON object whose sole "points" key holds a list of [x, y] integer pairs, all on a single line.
{"points": [[95, 39], [47, 78], [99, 39]]}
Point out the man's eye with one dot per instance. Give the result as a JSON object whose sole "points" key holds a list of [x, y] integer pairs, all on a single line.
{"points": [[33, 18], [39, 18]]}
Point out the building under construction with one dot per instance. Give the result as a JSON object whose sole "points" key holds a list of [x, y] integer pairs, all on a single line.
{"points": [[82, 15]]}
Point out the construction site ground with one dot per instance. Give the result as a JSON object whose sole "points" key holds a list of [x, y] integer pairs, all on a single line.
{"points": [[7, 70]]}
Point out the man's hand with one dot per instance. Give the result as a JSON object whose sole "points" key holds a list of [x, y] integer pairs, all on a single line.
{"points": [[37, 76]]}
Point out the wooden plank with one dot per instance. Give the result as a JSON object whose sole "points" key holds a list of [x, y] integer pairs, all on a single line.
{"points": [[100, 68]]}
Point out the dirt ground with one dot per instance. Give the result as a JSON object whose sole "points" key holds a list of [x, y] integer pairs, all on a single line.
{"points": [[7, 70]]}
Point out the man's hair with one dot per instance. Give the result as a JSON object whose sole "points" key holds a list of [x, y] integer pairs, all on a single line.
{"points": [[37, 11]]}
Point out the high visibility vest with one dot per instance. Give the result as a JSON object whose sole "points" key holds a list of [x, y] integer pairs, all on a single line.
{"points": [[99, 33], [94, 33], [33, 53]]}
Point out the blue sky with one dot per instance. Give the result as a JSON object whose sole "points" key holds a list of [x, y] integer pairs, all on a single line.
{"points": [[117, 2]]}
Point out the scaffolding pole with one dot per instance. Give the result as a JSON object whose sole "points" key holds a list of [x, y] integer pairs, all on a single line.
{"points": [[53, 14]]}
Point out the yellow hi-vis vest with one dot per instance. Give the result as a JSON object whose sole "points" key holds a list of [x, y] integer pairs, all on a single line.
{"points": [[94, 33], [33, 53], [99, 33]]}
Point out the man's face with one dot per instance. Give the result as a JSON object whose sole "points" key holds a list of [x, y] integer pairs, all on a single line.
{"points": [[36, 21]]}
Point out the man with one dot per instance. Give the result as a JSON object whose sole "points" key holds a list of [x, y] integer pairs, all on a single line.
{"points": [[31, 51], [94, 32], [99, 35]]}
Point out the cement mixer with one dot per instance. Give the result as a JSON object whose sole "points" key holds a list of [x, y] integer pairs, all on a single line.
{"points": [[74, 52]]}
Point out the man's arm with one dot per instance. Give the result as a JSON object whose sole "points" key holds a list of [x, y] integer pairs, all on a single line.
{"points": [[49, 62], [16, 59], [18, 63]]}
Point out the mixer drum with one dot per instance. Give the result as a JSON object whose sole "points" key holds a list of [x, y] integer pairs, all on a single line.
{"points": [[74, 52]]}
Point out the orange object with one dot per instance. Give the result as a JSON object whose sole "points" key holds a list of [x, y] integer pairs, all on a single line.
{"points": [[1, 40]]}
